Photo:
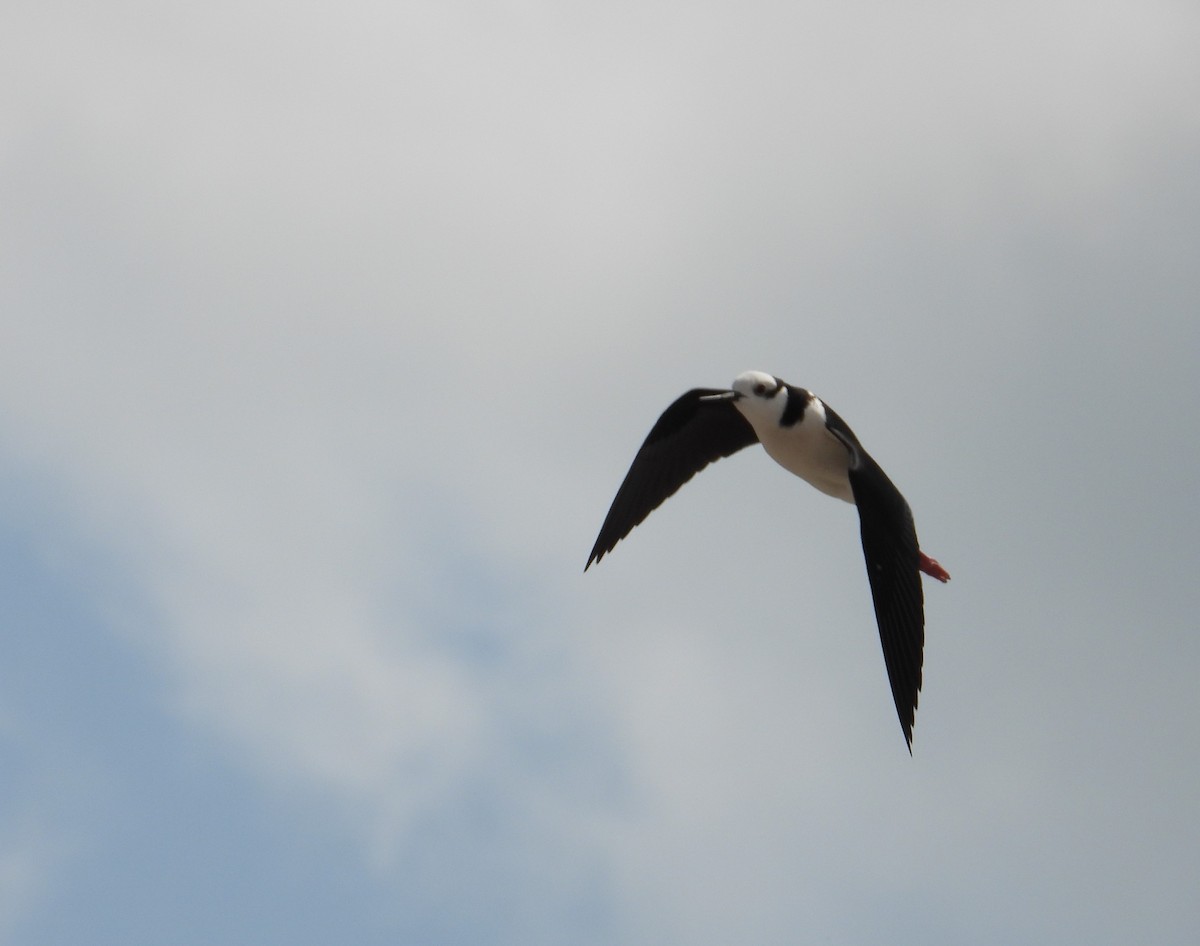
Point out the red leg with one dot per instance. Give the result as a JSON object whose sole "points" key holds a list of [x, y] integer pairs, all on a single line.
{"points": [[931, 567]]}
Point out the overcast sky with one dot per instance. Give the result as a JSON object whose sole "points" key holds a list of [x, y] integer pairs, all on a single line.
{"points": [[328, 332]]}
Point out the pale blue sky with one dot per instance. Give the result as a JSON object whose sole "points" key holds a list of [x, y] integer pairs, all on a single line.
{"points": [[328, 335]]}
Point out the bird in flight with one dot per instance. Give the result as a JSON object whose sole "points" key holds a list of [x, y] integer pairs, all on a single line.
{"points": [[806, 437]]}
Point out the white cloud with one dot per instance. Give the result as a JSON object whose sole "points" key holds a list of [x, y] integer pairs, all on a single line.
{"points": [[339, 331]]}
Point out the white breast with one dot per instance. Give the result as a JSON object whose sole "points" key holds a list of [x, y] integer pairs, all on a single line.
{"points": [[810, 451]]}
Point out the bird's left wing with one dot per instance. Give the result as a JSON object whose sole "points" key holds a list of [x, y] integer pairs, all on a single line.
{"points": [[697, 429], [889, 541]]}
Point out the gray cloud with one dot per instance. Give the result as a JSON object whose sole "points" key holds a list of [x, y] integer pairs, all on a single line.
{"points": [[337, 332]]}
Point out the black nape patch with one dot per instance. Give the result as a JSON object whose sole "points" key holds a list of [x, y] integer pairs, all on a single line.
{"points": [[793, 411]]}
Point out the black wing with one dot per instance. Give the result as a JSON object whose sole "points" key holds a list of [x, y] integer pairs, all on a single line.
{"points": [[690, 435], [889, 541]]}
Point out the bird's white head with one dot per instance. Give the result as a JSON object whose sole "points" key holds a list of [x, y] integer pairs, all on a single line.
{"points": [[757, 384], [760, 397]]}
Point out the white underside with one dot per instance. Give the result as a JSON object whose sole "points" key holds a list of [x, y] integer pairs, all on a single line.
{"points": [[810, 451]]}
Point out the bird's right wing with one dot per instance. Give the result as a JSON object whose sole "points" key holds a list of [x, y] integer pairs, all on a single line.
{"points": [[892, 554], [889, 541], [690, 434]]}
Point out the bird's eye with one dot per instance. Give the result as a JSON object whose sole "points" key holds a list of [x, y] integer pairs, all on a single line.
{"points": [[760, 388]]}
